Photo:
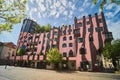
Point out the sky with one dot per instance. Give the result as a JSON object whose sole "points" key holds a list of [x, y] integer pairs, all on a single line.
{"points": [[59, 12]]}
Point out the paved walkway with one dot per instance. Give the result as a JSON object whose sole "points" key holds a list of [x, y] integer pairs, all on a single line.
{"points": [[18, 73]]}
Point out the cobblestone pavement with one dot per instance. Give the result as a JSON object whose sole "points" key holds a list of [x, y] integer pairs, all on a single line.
{"points": [[18, 73]]}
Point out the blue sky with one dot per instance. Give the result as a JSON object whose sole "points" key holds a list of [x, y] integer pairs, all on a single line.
{"points": [[58, 12]]}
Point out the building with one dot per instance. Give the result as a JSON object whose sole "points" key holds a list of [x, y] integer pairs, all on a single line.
{"points": [[7, 49], [80, 44]]}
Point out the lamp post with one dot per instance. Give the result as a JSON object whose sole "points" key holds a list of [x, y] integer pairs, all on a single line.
{"points": [[7, 59]]}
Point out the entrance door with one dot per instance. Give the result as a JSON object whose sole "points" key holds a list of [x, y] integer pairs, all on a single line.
{"points": [[84, 65]]}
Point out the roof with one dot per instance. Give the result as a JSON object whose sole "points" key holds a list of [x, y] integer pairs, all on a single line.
{"points": [[9, 44]]}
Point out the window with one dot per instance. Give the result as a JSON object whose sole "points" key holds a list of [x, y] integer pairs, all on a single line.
{"points": [[72, 64], [100, 20], [27, 50], [77, 31], [55, 33], [90, 38], [64, 38], [25, 40], [90, 29], [42, 47], [71, 53], [82, 50], [30, 37], [79, 24], [37, 36], [48, 35], [80, 40], [43, 41], [35, 49], [64, 54], [25, 37], [70, 38], [31, 30], [98, 29], [56, 39], [39, 42], [64, 45], [48, 41], [64, 32], [108, 35], [70, 30], [35, 43], [44, 35], [88, 22], [70, 44], [53, 46], [41, 53], [48, 47], [13, 53]]}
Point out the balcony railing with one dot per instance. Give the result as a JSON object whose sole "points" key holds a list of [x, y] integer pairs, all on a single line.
{"points": [[77, 31], [108, 36]]}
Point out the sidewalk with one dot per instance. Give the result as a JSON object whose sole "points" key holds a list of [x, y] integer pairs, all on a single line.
{"points": [[22, 73], [3, 78]]}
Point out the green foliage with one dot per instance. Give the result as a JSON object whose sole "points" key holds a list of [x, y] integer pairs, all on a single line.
{"points": [[113, 50], [43, 28], [11, 12], [20, 51], [107, 51], [54, 56], [94, 1], [103, 2]]}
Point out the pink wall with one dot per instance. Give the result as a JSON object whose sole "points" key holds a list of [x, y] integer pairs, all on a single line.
{"points": [[90, 47]]}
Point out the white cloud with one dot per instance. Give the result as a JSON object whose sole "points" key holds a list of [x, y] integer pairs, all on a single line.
{"points": [[111, 10], [50, 8], [81, 9], [57, 4], [65, 13], [39, 15], [110, 6], [27, 8], [70, 14], [114, 28], [42, 7], [57, 15], [31, 1], [64, 2], [32, 11], [53, 12]]}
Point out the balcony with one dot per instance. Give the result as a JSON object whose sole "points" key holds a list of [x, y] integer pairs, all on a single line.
{"points": [[76, 31], [108, 36], [30, 37], [82, 51], [37, 36]]}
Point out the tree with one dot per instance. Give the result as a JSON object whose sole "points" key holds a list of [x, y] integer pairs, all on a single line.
{"points": [[103, 2], [54, 56], [112, 51], [43, 28], [11, 12], [20, 51]]}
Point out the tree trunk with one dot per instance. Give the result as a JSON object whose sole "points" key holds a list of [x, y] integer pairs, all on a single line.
{"points": [[114, 63]]}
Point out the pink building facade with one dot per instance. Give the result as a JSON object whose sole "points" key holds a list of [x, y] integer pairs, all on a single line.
{"points": [[80, 44]]}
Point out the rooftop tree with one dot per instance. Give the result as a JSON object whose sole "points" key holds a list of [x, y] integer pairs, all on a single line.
{"points": [[43, 28], [11, 12]]}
